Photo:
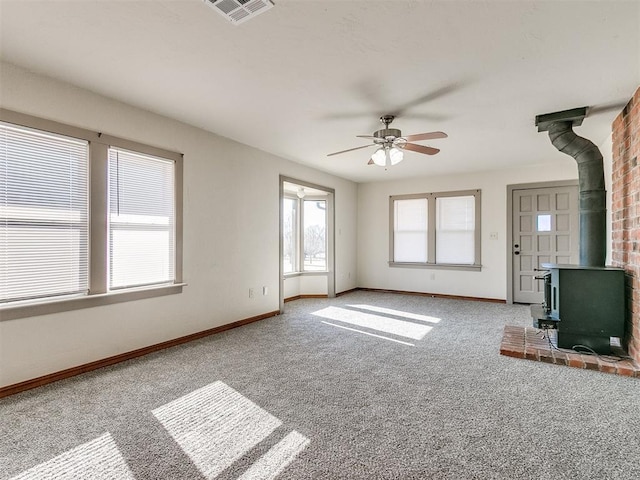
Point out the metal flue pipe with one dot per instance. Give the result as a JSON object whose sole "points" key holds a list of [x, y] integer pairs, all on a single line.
{"points": [[593, 229]]}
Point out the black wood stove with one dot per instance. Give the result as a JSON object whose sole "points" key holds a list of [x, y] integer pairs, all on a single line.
{"points": [[585, 305]]}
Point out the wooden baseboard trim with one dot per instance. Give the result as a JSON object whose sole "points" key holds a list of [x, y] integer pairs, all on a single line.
{"points": [[434, 295], [105, 362], [298, 297], [401, 292], [347, 291]]}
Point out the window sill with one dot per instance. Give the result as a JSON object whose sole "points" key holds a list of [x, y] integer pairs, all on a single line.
{"points": [[305, 274], [438, 266], [32, 309]]}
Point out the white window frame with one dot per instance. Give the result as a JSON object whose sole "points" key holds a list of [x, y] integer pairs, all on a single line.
{"points": [[431, 230], [98, 199]]}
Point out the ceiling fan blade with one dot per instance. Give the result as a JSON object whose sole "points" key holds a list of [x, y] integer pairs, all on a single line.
{"points": [[425, 136], [421, 149], [376, 140], [348, 150], [370, 162]]}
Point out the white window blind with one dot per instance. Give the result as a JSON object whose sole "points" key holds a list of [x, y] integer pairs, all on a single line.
{"points": [[141, 220], [455, 230], [43, 214], [410, 230]]}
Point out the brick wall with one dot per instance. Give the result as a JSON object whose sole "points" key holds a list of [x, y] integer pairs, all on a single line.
{"points": [[625, 212]]}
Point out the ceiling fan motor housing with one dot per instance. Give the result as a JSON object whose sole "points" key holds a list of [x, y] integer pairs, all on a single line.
{"points": [[387, 132]]}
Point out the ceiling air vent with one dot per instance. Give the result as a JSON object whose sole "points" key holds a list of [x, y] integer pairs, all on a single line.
{"points": [[238, 11]]}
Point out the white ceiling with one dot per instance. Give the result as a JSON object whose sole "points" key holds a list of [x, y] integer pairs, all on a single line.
{"points": [[302, 79], [294, 188]]}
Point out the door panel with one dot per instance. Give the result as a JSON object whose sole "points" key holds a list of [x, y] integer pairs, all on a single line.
{"points": [[545, 230]]}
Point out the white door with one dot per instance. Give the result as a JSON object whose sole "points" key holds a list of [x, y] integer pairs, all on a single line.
{"points": [[545, 230]]}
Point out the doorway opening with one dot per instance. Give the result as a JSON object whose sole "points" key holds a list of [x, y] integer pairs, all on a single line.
{"points": [[306, 240]]}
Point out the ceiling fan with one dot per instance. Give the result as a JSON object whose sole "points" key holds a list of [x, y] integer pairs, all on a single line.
{"points": [[391, 144]]}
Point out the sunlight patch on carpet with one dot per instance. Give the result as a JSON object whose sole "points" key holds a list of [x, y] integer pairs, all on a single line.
{"points": [[367, 333], [215, 426], [98, 459], [375, 322], [277, 458], [397, 313]]}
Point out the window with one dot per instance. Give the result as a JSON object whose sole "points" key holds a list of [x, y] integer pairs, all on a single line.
{"points": [[544, 222], [410, 230], [315, 235], [85, 219], [44, 211], [436, 229], [455, 230], [141, 220], [290, 236], [304, 234]]}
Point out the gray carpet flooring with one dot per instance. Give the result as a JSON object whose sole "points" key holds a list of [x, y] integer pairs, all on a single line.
{"points": [[364, 386]]}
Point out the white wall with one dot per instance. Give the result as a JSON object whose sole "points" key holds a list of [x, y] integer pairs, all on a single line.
{"points": [[230, 235], [306, 285], [491, 281]]}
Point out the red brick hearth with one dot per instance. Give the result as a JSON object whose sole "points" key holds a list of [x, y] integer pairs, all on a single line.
{"points": [[531, 344]]}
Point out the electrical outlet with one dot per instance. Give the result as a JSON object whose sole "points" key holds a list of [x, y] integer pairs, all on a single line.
{"points": [[251, 293], [432, 276], [265, 291]]}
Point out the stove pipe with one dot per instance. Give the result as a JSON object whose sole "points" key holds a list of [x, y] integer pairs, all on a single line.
{"points": [[590, 177]]}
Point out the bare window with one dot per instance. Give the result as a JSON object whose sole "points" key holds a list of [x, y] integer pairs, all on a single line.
{"points": [[544, 222], [315, 235]]}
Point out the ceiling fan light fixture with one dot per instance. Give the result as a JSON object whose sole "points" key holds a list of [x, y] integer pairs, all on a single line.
{"points": [[395, 155], [379, 157], [390, 144]]}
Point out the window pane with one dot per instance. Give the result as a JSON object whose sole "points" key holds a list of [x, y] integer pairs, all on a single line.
{"points": [[544, 223], [315, 237], [43, 214], [455, 230], [410, 230], [141, 220], [289, 238]]}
